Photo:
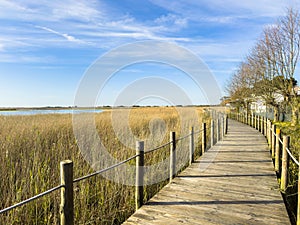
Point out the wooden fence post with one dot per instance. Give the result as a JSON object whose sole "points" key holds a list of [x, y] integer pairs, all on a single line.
{"points": [[203, 138], [270, 134], [285, 163], [262, 125], [249, 119], [277, 150], [192, 148], [139, 177], [226, 124], [273, 140], [218, 129], [212, 133], [66, 193], [221, 121], [252, 120], [298, 205], [258, 122], [266, 126], [172, 155]]}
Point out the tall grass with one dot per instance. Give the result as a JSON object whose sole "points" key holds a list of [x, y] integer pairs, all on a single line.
{"points": [[292, 190], [31, 148]]}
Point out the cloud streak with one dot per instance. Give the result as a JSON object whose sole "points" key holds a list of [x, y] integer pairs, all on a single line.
{"points": [[66, 36]]}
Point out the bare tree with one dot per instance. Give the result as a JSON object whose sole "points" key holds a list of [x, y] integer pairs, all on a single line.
{"points": [[266, 85], [269, 69], [240, 86], [285, 48]]}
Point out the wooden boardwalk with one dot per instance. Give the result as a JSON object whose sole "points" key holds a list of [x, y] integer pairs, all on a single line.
{"points": [[233, 183]]}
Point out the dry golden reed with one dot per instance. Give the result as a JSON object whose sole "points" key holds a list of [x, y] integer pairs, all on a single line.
{"points": [[31, 148]]}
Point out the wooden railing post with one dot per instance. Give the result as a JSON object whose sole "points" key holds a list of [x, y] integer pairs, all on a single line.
{"points": [[212, 133], [285, 163], [218, 129], [277, 150], [203, 137], [258, 122], [270, 134], [248, 119], [252, 120], [221, 121], [139, 177], [172, 155], [192, 148], [66, 193], [262, 125], [266, 126], [226, 124], [273, 140], [298, 205]]}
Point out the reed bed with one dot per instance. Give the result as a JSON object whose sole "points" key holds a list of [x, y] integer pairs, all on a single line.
{"points": [[31, 148]]}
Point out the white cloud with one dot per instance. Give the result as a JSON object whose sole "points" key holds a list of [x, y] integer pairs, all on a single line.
{"points": [[80, 9], [228, 9], [66, 36], [55, 10], [171, 19]]}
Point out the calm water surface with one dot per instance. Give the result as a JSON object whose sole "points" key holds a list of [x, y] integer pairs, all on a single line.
{"points": [[48, 111]]}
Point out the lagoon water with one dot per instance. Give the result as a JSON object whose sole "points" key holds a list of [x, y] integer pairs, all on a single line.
{"points": [[47, 111]]}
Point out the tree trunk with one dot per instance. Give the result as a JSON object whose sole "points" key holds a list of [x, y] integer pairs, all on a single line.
{"points": [[276, 113], [295, 114]]}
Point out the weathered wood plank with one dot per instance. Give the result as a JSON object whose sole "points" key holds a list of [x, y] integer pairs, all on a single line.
{"points": [[233, 183]]}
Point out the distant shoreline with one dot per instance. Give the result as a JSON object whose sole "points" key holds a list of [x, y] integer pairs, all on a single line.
{"points": [[49, 108], [91, 108]]}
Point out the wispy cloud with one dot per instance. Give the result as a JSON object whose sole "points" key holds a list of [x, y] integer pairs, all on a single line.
{"points": [[226, 11], [54, 10], [172, 20], [66, 36]]}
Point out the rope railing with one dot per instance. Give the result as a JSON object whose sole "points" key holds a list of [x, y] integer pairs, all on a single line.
{"points": [[199, 131], [292, 157], [288, 151], [31, 199], [184, 137], [157, 148], [67, 172], [104, 170]]}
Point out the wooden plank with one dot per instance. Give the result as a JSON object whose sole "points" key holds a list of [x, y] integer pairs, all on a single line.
{"points": [[233, 183]]}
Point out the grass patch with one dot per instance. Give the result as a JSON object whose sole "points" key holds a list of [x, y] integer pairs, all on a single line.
{"points": [[291, 192]]}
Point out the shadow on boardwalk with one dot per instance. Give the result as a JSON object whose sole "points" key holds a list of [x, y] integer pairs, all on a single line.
{"points": [[233, 183]]}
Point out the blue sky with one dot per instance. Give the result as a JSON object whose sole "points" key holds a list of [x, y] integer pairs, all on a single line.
{"points": [[47, 46]]}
